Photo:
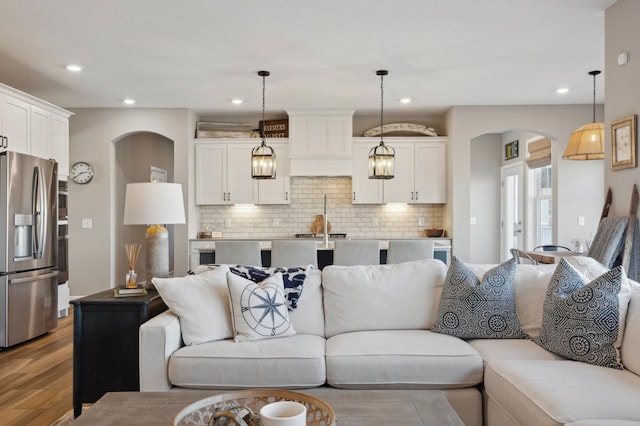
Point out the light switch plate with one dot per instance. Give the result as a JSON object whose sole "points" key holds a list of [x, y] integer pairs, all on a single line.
{"points": [[87, 223]]}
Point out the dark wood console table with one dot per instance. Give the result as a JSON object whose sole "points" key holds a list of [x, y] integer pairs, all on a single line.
{"points": [[106, 342]]}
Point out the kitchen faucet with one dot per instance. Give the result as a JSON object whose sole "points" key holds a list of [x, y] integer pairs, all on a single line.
{"points": [[325, 223]]}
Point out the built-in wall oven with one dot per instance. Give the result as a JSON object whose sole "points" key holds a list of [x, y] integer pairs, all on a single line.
{"points": [[63, 234], [63, 250]]}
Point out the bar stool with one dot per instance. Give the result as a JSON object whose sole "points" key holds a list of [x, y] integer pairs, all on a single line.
{"points": [[408, 250], [238, 253], [293, 253], [356, 252]]}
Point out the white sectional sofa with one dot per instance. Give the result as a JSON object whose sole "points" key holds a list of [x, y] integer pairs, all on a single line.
{"points": [[369, 327]]}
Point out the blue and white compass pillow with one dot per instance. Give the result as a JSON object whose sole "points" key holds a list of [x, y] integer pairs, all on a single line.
{"points": [[259, 310], [471, 308]]}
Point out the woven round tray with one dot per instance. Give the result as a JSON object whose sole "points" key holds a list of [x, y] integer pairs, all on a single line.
{"points": [[319, 413]]}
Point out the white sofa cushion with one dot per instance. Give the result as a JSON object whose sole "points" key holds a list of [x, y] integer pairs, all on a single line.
{"points": [[630, 349], [499, 349], [258, 310], [558, 392], [474, 308], [401, 359], [289, 362], [202, 304], [382, 297]]}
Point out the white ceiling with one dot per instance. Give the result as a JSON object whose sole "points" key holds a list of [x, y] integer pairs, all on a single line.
{"points": [[321, 54]]}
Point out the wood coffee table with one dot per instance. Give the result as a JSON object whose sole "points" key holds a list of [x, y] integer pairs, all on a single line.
{"points": [[352, 407]]}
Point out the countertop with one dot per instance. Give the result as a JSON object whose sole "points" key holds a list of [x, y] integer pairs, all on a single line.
{"points": [[209, 244]]}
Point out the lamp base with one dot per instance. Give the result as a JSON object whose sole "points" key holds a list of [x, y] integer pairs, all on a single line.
{"points": [[157, 241]]}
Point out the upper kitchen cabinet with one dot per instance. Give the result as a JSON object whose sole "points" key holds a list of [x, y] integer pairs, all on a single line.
{"points": [[419, 176], [363, 189], [14, 124], [223, 174], [32, 126], [320, 143], [278, 190]]}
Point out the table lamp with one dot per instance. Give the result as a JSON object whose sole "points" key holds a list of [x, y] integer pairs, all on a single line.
{"points": [[154, 204]]}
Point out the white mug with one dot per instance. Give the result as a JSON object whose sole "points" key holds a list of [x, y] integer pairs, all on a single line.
{"points": [[284, 413]]}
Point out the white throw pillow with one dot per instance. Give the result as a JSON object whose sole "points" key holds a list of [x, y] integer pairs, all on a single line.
{"points": [[259, 310], [202, 304]]}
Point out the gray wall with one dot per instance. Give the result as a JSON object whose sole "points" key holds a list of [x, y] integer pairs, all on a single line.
{"points": [[622, 34], [93, 134], [484, 189], [579, 184]]}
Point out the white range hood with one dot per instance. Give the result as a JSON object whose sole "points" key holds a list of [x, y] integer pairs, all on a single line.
{"points": [[320, 142]]}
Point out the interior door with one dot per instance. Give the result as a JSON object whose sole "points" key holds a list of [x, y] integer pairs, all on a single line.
{"points": [[513, 220]]}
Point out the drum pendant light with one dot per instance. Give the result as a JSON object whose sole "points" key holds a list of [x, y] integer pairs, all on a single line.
{"points": [[381, 157], [263, 158], [587, 142]]}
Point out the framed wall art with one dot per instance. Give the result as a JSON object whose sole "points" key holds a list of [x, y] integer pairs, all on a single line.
{"points": [[511, 150], [624, 143], [158, 175]]}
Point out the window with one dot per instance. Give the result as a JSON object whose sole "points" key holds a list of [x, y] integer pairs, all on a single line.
{"points": [[541, 199]]}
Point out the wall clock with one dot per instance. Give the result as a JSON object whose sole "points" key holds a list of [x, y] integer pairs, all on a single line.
{"points": [[82, 172]]}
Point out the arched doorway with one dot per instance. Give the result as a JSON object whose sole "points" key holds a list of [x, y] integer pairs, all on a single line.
{"points": [[139, 157], [496, 200]]}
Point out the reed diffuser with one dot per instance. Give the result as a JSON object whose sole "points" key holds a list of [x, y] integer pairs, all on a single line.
{"points": [[132, 251]]}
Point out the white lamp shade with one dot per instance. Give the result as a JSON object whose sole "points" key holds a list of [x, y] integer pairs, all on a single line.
{"points": [[153, 203]]}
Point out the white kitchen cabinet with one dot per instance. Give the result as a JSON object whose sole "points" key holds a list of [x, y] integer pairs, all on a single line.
{"points": [[60, 142], [223, 173], [430, 173], [278, 190], [40, 128], [14, 124], [32, 126], [419, 176], [363, 189]]}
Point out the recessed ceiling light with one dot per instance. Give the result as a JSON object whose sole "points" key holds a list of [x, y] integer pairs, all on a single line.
{"points": [[562, 90], [129, 101], [236, 101], [405, 100], [74, 68]]}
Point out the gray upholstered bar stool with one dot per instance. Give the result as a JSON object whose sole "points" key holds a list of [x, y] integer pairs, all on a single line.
{"points": [[293, 253], [356, 252], [408, 250], [238, 253]]}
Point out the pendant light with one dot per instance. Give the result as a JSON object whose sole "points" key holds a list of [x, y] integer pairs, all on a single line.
{"points": [[263, 158], [587, 142], [381, 157]]}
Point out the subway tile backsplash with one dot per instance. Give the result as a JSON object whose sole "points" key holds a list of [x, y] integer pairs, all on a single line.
{"points": [[307, 193]]}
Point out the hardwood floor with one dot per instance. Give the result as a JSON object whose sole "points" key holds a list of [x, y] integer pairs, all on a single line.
{"points": [[36, 378]]}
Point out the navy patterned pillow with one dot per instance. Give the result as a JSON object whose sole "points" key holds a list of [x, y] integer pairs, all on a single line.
{"points": [[580, 321], [293, 279], [475, 309]]}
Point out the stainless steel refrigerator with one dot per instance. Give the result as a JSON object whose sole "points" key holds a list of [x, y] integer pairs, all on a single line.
{"points": [[28, 247]]}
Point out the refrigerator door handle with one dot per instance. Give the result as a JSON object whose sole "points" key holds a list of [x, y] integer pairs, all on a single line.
{"points": [[34, 278], [39, 211]]}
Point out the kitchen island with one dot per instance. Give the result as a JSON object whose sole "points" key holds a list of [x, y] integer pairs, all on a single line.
{"points": [[202, 251]]}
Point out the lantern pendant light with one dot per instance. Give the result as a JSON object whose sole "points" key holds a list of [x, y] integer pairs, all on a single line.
{"points": [[587, 142], [381, 157], [263, 158]]}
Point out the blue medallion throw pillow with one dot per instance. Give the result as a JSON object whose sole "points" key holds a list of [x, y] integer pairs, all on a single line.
{"points": [[471, 308], [580, 321], [293, 279]]}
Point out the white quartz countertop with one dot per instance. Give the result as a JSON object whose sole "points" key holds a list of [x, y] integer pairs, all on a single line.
{"points": [[207, 245]]}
